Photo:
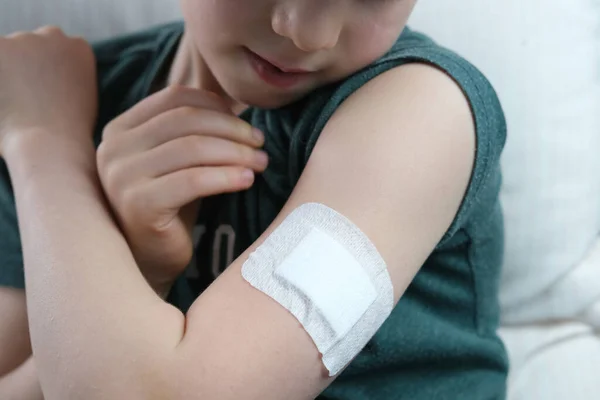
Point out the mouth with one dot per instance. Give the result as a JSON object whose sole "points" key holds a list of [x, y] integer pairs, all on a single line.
{"points": [[275, 74], [282, 68]]}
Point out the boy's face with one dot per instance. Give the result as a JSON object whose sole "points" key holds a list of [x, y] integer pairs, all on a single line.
{"points": [[330, 39]]}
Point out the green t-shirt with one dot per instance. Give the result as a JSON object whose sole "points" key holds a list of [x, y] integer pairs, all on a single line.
{"points": [[440, 341]]}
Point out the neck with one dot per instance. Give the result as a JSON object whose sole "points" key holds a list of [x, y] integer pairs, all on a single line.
{"points": [[189, 69]]}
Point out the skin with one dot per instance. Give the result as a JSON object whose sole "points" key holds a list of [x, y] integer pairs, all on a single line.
{"points": [[331, 39], [334, 38], [136, 346]]}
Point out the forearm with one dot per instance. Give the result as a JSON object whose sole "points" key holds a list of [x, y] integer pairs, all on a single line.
{"points": [[93, 318], [22, 383]]}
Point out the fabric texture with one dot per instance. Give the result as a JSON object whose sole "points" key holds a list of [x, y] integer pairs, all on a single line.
{"points": [[543, 57], [448, 316], [553, 361], [574, 297]]}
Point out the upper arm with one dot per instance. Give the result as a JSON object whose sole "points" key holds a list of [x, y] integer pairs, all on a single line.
{"points": [[15, 345], [396, 160]]}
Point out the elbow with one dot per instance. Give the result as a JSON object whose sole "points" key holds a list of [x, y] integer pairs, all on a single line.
{"points": [[140, 365]]}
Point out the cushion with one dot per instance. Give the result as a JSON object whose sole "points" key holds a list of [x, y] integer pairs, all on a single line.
{"points": [[554, 361]]}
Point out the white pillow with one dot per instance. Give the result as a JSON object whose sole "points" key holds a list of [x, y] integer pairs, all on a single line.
{"points": [[93, 19], [543, 57]]}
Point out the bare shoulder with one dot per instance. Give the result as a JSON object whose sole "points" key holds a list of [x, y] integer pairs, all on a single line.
{"points": [[414, 92]]}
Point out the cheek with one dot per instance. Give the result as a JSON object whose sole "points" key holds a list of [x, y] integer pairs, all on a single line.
{"points": [[221, 20], [367, 43], [207, 20]]}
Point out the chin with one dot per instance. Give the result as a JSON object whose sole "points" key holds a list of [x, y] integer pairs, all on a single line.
{"points": [[266, 102], [264, 97]]}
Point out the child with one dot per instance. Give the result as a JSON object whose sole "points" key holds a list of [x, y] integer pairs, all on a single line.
{"points": [[353, 110]]}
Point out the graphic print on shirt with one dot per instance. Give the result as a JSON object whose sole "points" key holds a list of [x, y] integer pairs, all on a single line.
{"points": [[206, 266]]}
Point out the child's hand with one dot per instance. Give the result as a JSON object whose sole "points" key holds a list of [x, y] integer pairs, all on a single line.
{"points": [[47, 83], [159, 158]]}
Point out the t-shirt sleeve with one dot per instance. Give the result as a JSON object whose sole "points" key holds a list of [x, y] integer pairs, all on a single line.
{"points": [[490, 124], [11, 256]]}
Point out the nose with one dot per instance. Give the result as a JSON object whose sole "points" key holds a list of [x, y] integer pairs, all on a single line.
{"points": [[312, 25]]}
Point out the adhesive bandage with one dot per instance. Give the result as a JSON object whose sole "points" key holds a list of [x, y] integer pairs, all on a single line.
{"points": [[325, 271]]}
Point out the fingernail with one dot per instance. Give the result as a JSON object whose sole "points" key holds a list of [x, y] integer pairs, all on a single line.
{"points": [[258, 135], [262, 157], [248, 175]]}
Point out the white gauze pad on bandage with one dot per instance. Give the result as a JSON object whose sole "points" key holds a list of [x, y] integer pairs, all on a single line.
{"points": [[327, 273]]}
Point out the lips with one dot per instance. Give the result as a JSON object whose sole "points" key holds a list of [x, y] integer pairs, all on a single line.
{"points": [[276, 75], [283, 68]]}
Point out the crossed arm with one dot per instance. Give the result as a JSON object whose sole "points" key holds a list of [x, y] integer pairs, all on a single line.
{"points": [[395, 159]]}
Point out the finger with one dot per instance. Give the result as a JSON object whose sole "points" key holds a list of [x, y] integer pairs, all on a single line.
{"points": [[195, 151], [171, 97], [187, 121], [16, 34], [50, 30], [173, 191]]}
